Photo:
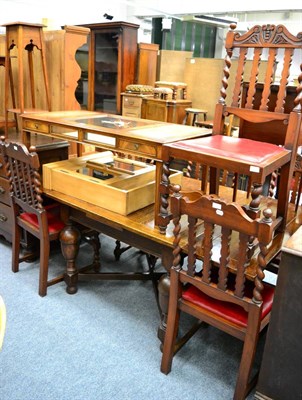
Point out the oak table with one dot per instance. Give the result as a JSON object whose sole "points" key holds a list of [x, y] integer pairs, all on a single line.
{"points": [[134, 136]]}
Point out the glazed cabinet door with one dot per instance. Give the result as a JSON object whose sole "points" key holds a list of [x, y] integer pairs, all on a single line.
{"points": [[112, 64]]}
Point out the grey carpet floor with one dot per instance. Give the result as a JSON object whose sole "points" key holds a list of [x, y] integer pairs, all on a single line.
{"points": [[101, 343]]}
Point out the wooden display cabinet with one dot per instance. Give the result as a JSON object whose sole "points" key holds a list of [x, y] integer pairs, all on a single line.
{"points": [[111, 64]]}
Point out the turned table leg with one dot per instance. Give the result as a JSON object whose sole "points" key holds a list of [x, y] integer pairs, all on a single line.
{"points": [[70, 241]]}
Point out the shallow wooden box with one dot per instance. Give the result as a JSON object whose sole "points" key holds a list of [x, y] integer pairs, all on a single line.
{"points": [[122, 193]]}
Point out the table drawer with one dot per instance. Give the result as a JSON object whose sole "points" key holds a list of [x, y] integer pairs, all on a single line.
{"points": [[143, 149], [36, 126], [132, 101], [133, 113], [4, 191], [6, 218]]}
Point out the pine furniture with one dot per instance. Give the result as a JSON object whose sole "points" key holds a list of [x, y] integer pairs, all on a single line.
{"points": [[28, 37]]}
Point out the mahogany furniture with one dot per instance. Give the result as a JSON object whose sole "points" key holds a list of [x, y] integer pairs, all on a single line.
{"points": [[253, 157], [169, 110], [25, 37], [49, 150], [147, 63], [112, 64], [280, 372], [137, 137], [169, 103], [232, 303]]}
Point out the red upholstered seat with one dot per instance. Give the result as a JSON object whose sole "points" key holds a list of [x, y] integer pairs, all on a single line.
{"points": [[246, 150], [55, 224], [229, 311]]}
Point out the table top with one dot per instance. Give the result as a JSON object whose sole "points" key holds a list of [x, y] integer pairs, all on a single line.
{"points": [[154, 132]]}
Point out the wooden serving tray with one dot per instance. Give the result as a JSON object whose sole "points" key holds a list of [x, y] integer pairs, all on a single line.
{"points": [[119, 185]]}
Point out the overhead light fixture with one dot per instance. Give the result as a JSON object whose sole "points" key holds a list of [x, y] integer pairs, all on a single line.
{"points": [[166, 23], [210, 19]]}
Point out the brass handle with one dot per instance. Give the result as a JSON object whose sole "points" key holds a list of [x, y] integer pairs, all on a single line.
{"points": [[3, 218], [36, 126], [136, 146], [2, 190]]}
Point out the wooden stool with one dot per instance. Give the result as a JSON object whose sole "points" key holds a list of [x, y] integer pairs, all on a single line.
{"points": [[176, 87], [163, 93], [29, 37], [192, 114]]}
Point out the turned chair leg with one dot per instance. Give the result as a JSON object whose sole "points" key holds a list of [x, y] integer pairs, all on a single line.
{"points": [[44, 260]]}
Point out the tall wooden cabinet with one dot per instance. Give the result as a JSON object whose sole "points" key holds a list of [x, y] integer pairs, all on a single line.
{"points": [[111, 65], [147, 63], [64, 70]]}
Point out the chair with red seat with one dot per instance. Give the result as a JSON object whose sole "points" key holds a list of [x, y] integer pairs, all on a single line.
{"points": [[22, 168], [228, 293], [272, 143]]}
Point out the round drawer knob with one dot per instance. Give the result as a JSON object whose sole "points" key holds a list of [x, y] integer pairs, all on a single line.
{"points": [[3, 218], [2, 190]]}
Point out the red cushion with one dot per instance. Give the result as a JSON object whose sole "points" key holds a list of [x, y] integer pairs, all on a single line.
{"points": [[250, 151], [229, 311], [55, 224]]}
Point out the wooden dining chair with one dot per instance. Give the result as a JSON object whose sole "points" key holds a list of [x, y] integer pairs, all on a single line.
{"points": [[22, 168], [257, 154], [228, 293]]}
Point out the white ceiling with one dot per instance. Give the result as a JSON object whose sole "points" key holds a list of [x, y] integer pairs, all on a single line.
{"points": [[76, 12]]}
